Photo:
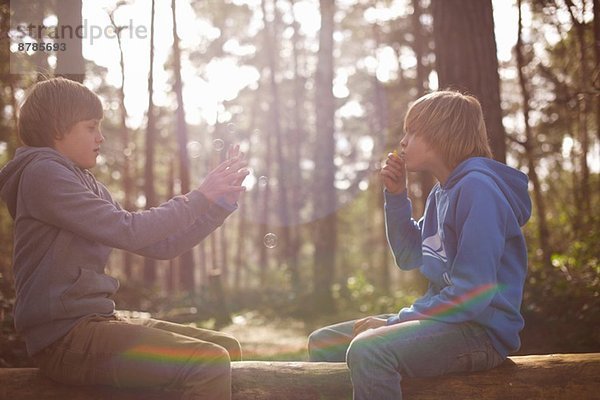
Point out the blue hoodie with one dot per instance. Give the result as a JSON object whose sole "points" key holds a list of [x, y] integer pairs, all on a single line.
{"points": [[470, 247]]}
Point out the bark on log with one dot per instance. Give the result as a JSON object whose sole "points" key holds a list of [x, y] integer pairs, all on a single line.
{"points": [[553, 377]]}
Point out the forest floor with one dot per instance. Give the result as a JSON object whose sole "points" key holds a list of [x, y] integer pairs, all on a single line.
{"points": [[265, 339]]}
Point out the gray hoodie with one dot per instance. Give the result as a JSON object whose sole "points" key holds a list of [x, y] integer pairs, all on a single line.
{"points": [[66, 224]]}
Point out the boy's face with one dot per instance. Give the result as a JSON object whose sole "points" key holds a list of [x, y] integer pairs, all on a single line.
{"points": [[81, 144], [418, 155]]}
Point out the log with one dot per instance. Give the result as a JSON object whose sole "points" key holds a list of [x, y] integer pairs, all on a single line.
{"points": [[553, 377]]}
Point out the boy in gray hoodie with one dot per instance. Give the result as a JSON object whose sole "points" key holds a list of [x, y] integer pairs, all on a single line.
{"points": [[66, 224]]}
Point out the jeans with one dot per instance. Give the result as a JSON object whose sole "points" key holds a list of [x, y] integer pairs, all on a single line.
{"points": [[379, 358], [143, 353]]}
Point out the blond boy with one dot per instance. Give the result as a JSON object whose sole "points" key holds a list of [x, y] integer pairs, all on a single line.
{"points": [[469, 246]]}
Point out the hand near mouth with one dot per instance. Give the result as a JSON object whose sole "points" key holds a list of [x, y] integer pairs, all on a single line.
{"points": [[393, 173]]}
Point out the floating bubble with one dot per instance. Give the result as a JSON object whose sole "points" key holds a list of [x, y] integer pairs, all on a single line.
{"points": [[270, 240], [231, 128], [263, 181], [194, 149], [218, 144]]}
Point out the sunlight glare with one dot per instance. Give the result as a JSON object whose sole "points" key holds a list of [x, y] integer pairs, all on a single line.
{"points": [[308, 16]]}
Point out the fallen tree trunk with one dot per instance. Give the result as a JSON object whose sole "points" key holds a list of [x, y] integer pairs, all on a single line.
{"points": [[560, 376]]}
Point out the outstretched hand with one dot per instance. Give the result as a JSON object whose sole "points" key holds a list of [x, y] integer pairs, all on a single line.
{"points": [[225, 180]]}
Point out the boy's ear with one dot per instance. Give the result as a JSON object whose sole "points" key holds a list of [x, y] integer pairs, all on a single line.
{"points": [[57, 135]]}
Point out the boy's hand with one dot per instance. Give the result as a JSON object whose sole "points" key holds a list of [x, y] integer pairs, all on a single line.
{"points": [[393, 173], [225, 180], [232, 153], [367, 323]]}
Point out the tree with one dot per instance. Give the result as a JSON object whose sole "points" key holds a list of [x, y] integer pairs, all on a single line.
{"points": [[530, 145], [69, 63], [150, 264], [125, 137], [465, 50], [324, 189], [271, 50], [186, 265]]}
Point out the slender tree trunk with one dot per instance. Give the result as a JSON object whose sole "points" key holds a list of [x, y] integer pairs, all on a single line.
{"points": [[466, 59], [583, 100], [297, 136], [173, 270], [596, 74], [281, 159], [381, 125], [240, 254], [325, 196], [125, 145], [186, 260], [150, 264], [530, 144], [70, 63]]}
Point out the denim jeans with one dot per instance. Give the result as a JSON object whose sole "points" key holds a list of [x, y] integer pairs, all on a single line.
{"points": [[143, 353], [379, 358]]}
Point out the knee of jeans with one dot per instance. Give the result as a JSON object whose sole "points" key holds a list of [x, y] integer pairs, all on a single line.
{"points": [[359, 351], [233, 347], [212, 356], [315, 341]]}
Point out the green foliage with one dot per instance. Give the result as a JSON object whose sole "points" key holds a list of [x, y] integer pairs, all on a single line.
{"points": [[360, 295]]}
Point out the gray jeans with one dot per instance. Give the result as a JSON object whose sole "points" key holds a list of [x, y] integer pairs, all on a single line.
{"points": [[379, 358]]}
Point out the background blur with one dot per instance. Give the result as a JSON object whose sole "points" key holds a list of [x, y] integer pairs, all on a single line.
{"points": [[315, 93]]}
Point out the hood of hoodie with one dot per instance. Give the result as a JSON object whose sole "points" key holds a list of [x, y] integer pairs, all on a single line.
{"points": [[10, 174], [511, 182]]}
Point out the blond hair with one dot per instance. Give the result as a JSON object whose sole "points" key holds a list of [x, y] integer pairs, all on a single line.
{"points": [[52, 107], [452, 123]]}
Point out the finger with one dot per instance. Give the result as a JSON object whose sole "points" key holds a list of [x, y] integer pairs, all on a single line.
{"points": [[224, 165], [389, 175], [234, 151], [234, 189], [243, 175], [395, 162], [395, 170]]}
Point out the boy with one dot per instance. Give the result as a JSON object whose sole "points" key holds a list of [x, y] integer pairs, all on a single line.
{"points": [[66, 223], [469, 245]]}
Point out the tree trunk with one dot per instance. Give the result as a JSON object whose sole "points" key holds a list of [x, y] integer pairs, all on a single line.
{"points": [[298, 135], [466, 59], [70, 63], [186, 260], [324, 193], [549, 377], [582, 102], [529, 145], [150, 264], [280, 150], [596, 74], [125, 139]]}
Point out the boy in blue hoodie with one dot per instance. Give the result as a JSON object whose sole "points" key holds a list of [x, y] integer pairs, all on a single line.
{"points": [[66, 223], [469, 246]]}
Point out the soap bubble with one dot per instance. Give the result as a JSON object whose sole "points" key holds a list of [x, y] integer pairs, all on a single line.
{"points": [[218, 144], [231, 128], [263, 181], [194, 149], [270, 240]]}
